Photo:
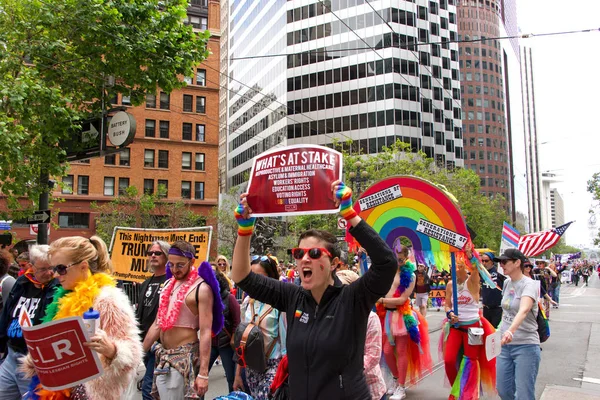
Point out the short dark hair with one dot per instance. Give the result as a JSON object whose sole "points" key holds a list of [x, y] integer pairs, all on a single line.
{"points": [[331, 242]]}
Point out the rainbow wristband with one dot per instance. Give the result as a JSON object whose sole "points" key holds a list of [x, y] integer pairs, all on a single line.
{"points": [[245, 225], [344, 195]]}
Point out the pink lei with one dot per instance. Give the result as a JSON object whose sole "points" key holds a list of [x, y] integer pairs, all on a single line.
{"points": [[166, 318]]}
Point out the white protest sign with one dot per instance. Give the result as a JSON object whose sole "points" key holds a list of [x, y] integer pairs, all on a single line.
{"points": [[442, 234], [493, 345]]}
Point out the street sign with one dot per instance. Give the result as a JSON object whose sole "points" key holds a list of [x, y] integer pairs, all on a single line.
{"points": [[39, 217], [342, 223], [121, 129], [5, 225]]}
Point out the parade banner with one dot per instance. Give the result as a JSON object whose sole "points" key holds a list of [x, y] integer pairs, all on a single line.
{"points": [[129, 246], [294, 180], [61, 360]]}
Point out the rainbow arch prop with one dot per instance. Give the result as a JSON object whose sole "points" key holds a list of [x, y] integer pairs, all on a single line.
{"points": [[394, 206]]}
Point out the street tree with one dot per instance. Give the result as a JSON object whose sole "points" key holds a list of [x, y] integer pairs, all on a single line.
{"points": [[150, 211], [593, 187], [60, 62]]}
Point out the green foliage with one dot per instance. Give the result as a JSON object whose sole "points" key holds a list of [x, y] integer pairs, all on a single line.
{"points": [[593, 187], [59, 58], [143, 211]]}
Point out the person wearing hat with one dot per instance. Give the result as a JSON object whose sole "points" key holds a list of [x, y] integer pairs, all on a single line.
{"points": [[491, 297], [518, 363]]}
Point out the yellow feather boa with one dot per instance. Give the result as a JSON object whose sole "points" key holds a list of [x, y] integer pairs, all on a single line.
{"points": [[78, 301]]}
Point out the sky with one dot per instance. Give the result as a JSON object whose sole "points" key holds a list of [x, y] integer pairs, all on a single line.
{"points": [[567, 90]]}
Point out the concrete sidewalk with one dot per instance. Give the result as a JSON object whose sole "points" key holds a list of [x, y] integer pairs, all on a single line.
{"points": [[555, 392]]}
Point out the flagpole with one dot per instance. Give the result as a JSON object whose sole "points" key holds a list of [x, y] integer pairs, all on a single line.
{"points": [[454, 284]]}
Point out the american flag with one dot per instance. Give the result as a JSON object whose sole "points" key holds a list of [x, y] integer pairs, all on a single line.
{"points": [[534, 244]]}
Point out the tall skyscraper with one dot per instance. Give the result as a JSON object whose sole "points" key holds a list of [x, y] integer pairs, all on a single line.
{"points": [[353, 71], [486, 104], [534, 176]]}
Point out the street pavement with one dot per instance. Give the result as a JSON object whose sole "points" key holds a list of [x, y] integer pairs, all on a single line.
{"points": [[570, 367]]}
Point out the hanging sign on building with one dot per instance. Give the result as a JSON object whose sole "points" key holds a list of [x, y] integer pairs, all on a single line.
{"points": [[129, 247], [294, 180]]}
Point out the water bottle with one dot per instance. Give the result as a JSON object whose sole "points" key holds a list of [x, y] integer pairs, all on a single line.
{"points": [[91, 320]]}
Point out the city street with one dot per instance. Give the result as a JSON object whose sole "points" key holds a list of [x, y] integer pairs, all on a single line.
{"points": [[570, 367]]}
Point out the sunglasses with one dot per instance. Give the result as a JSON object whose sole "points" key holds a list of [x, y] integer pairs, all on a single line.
{"points": [[315, 253], [503, 262], [262, 258], [241, 358], [221, 264], [154, 253], [170, 265], [485, 261], [61, 269]]}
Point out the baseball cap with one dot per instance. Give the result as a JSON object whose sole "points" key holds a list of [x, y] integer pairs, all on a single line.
{"points": [[512, 254]]}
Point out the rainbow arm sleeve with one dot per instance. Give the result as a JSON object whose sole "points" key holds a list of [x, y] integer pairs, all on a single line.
{"points": [[245, 225]]}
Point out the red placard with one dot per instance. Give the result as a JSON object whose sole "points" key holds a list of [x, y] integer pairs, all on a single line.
{"points": [[59, 356], [294, 180]]}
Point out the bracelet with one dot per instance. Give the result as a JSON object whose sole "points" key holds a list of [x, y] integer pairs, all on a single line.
{"points": [[202, 377], [510, 333], [448, 314]]}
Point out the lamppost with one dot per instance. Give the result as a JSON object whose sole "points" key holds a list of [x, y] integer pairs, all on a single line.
{"points": [[358, 177]]}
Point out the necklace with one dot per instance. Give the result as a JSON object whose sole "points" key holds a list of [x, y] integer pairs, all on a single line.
{"points": [[166, 317]]}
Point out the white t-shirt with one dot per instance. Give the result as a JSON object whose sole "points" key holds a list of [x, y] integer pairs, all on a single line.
{"points": [[512, 293]]}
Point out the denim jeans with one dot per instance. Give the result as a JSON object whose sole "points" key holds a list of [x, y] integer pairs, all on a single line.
{"points": [[516, 371], [13, 384], [149, 375], [226, 354]]}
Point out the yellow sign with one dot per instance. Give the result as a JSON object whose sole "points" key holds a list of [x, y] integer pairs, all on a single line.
{"points": [[129, 246], [437, 293]]}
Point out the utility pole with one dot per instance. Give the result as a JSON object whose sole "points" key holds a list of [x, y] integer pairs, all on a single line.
{"points": [[42, 236]]}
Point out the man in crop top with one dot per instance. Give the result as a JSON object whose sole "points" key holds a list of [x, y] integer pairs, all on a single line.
{"points": [[184, 323]]}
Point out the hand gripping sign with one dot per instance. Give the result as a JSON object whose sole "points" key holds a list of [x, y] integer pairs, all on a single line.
{"points": [[61, 360], [294, 180]]}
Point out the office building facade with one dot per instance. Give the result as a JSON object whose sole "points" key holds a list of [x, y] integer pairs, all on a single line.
{"points": [[363, 73]]}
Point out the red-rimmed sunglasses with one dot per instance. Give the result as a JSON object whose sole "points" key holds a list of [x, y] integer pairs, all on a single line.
{"points": [[241, 359], [315, 253]]}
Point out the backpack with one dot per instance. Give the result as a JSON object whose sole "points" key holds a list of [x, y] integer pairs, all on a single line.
{"points": [[543, 327], [249, 345]]}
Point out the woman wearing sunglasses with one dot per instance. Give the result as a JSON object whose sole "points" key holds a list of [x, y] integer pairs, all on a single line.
{"points": [[224, 268], [83, 269], [273, 327], [519, 361], [327, 321]]}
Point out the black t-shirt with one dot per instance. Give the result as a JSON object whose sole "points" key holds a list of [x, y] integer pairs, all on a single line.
{"points": [[148, 301], [493, 297], [30, 300]]}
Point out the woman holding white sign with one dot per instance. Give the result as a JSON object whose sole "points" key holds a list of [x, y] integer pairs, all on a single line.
{"points": [[519, 361], [326, 321], [83, 268]]}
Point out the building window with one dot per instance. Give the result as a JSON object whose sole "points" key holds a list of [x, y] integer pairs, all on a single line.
{"points": [[200, 129], [150, 101], [123, 185], [83, 184], [149, 158], [164, 129], [150, 128], [109, 186], [186, 160], [73, 220], [148, 186], [201, 77], [67, 184], [163, 188], [124, 157], [110, 160], [163, 159], [186, 131], [165, 101], [201, 104], [199, 161], [126, 100], [199, 191], [203, 3], [186, 190], [188, 102]]}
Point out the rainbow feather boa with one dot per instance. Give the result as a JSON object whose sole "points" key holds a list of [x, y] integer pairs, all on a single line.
{"points": [[411, 324]]}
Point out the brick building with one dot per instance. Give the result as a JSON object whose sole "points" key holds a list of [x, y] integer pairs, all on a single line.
{"points": [[176, 145]]}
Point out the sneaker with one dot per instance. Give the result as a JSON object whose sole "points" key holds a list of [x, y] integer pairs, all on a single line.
{"points": [[393, 387], [399, 393]]}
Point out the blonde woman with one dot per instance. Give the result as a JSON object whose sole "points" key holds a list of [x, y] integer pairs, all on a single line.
{"points": [[83, 269], [224, 268]]}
